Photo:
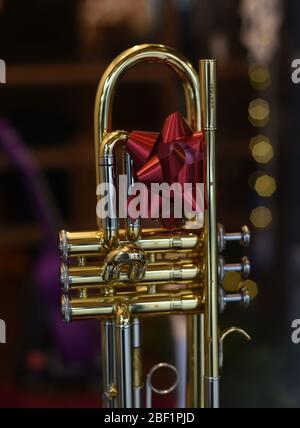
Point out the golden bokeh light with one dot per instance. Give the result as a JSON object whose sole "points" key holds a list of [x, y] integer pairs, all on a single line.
{"points": [[231, 281], [259, 75], [261, 149], [263, 152], [265, 186], [261, 217], [259, 112]]}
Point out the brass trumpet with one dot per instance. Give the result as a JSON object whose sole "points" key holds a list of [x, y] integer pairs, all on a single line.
{"points": [[120, 275]]}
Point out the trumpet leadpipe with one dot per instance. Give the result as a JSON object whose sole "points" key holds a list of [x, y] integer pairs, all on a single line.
{"points": [[86, 276], [138, 305]]}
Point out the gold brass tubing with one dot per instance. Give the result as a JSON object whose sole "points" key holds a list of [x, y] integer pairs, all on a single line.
{"points": [[165, 303], [170, 241], [165, 272], [137, 365], [123, 335], [106, 141], [95, 291], [92, 244], [138, 305], [107, 165], [195, 358], [80, 243], [108, 363], [208, 92], [129, 58], [132, 226]]}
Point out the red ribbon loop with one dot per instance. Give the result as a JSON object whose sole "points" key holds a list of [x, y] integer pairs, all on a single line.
{"points": [[176, 155]]}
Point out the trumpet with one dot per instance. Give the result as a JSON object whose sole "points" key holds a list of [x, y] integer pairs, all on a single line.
{"points": [[120, 274]]}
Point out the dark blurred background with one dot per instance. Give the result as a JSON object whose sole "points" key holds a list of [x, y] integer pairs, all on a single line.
{"points": [[56, 51]]}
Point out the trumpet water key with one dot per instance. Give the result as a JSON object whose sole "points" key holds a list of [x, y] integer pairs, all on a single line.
{"points": [[125, 270]]}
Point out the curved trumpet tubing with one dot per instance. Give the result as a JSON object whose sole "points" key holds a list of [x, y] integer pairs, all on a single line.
{"points": [[130, 256]]}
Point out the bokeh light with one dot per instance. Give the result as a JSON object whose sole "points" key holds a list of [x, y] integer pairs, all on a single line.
{"points": [[259, 76], [231, 281], [261, 148], [265, 186], [259, 112], [261, 217]]}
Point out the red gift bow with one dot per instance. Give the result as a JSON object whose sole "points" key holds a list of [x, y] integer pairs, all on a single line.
{"points": [[176, 155]]}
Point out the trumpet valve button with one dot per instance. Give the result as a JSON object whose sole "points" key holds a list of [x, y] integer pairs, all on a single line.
{"points": [[244, 267], [244, 237]]}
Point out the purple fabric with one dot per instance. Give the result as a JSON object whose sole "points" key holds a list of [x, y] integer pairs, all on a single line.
{"points": [[76, 342]]}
